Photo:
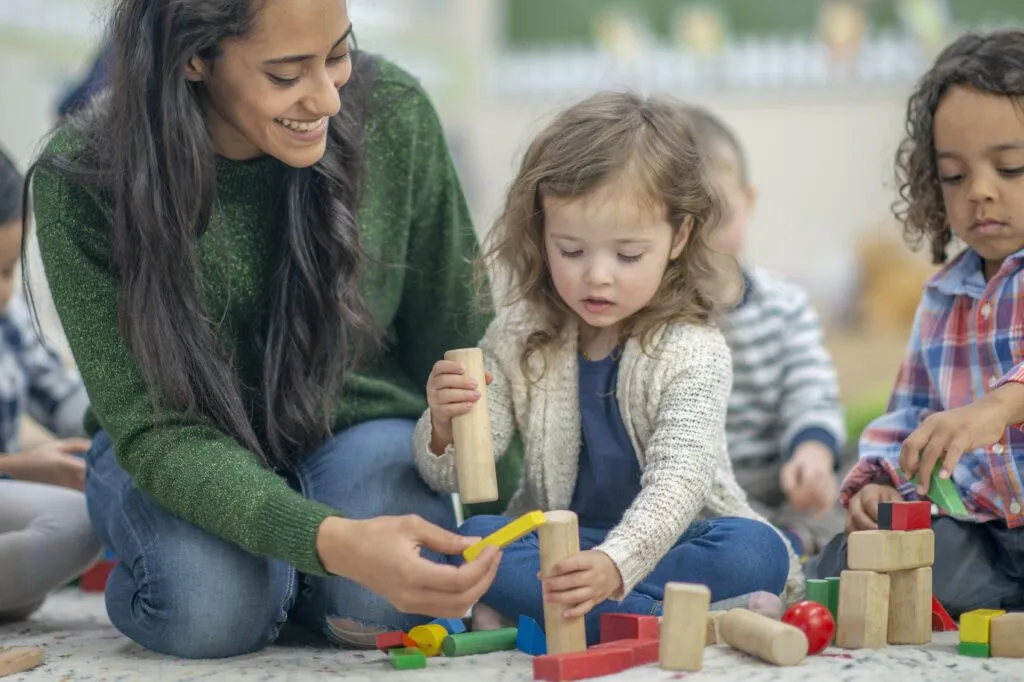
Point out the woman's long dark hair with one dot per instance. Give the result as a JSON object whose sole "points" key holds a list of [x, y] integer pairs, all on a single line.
{"points": [[147, 148]]}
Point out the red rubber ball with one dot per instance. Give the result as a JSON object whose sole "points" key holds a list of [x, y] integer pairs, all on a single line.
{"points": [[815, 621]]}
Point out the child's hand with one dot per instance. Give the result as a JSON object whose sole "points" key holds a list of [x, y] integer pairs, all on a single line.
{"points": [[946, 436], [862, 513], [450, 393], [808, 479], [581, 582], [53, 462]]}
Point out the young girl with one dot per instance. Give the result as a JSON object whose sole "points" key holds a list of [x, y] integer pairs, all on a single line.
{"points": [[958, 403], [607, 362], [45, 535]]}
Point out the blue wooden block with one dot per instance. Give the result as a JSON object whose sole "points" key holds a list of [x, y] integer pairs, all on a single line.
{"points": [[454, 626], [530, 638]]}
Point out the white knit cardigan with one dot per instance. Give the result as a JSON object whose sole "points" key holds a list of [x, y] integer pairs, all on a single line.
{"points": [[673, 403]]}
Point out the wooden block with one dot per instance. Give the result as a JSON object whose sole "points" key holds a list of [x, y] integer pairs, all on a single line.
{"points": [[529, 637], [581, 665], [407, 659], [884, 551], [559, 538], [454, 626], [527, 523], [684, 626], [712, 637], [390, 640], [974, 649], [628, 626], [761, 636], [974, 625], [471, 433], [1006, 636], [904, 515], [19, 659], [644, 650], [833, 597], [863, 610], [910, 606], [428, 638], [95, 579], [943, 492], [817, 591], [941, 621], [482, 642]]}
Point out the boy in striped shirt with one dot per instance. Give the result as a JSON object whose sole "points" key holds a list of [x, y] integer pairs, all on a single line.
{"points": [[785, 424]]}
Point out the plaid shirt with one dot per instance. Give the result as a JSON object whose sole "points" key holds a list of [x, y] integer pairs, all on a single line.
{"points": [[33, 379], [967, 339]]}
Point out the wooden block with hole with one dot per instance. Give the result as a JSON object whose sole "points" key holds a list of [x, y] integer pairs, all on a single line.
{"points": [[910, 606], [884, 551], [1006, 636], [19, 659], [863, 610]]}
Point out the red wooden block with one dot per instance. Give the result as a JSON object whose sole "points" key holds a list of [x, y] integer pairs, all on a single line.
{"points": [[95, 579], [628, 626], [905, 515], [391, 640], [582, 664], [644, 650], [941, 622]]}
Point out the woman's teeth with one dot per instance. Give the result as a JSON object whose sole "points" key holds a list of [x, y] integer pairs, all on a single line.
{"points": [[300, 126]]}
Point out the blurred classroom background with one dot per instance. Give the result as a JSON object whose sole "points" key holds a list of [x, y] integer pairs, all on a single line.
{"points": [[815, 89]]}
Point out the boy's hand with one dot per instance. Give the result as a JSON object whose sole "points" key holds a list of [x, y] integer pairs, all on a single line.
{"points": [[581, 582], [862, 513], [808, 479], [450, 393], [946, 436]]}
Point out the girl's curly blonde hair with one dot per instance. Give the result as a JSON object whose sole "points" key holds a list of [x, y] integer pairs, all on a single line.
{"points": [[991, 63], [607, 137]]}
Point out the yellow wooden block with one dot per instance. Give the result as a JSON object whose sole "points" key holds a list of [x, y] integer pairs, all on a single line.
{"points": [[428, 638], [975, 625], [527, 523]]}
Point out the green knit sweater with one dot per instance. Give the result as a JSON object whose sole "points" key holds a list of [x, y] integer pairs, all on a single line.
{"points": [[413, 214]]}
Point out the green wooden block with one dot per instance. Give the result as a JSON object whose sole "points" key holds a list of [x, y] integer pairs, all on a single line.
{"points": [[483, 642], [974, 649], [943, 493], [833, 598], [407, 659], [817, 591]]}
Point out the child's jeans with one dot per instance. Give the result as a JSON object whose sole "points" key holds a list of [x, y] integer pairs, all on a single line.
{"points": [[732, 556], [977, 565]]}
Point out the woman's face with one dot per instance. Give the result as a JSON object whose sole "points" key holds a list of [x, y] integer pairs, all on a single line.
{"points": [[273, 90]]}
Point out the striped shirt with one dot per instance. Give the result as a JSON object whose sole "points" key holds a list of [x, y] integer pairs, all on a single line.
{"points": [[967, 339], [785, 391], [33, 379]]}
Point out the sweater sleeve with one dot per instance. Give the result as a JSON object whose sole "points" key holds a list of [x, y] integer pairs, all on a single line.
{"points": [[194, 471], [439, 470], [680, 463], [439, 310]]}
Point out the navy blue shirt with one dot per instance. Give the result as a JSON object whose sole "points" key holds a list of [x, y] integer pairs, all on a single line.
{"points": [[609, 473]]}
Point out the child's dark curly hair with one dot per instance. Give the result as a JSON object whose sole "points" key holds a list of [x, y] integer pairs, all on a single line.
{"points": [[991, 63]]}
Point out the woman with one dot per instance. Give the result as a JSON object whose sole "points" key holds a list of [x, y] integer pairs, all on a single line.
{"points": [[255, 241]]}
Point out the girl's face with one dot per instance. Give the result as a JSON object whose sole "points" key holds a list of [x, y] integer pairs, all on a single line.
{"points": [[10, 255], [608, 252], [273, 90], [979, 151]]}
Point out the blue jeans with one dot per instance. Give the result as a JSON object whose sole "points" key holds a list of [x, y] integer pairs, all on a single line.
{"points": [[179, 590], [732, 556]]}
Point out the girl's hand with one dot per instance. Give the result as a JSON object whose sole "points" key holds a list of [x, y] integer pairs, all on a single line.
{"points": [[54, 462], [946, 436], [383, 555], [581, 582], [862, 513], [450, 393]]}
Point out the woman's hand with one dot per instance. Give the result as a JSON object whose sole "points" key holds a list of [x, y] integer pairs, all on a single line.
{"points": [[383, 555], [450, 393], [53, 462], [582, 581]]}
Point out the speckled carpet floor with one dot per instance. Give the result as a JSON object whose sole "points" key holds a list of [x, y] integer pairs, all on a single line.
{"points": [[81, 644]]}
